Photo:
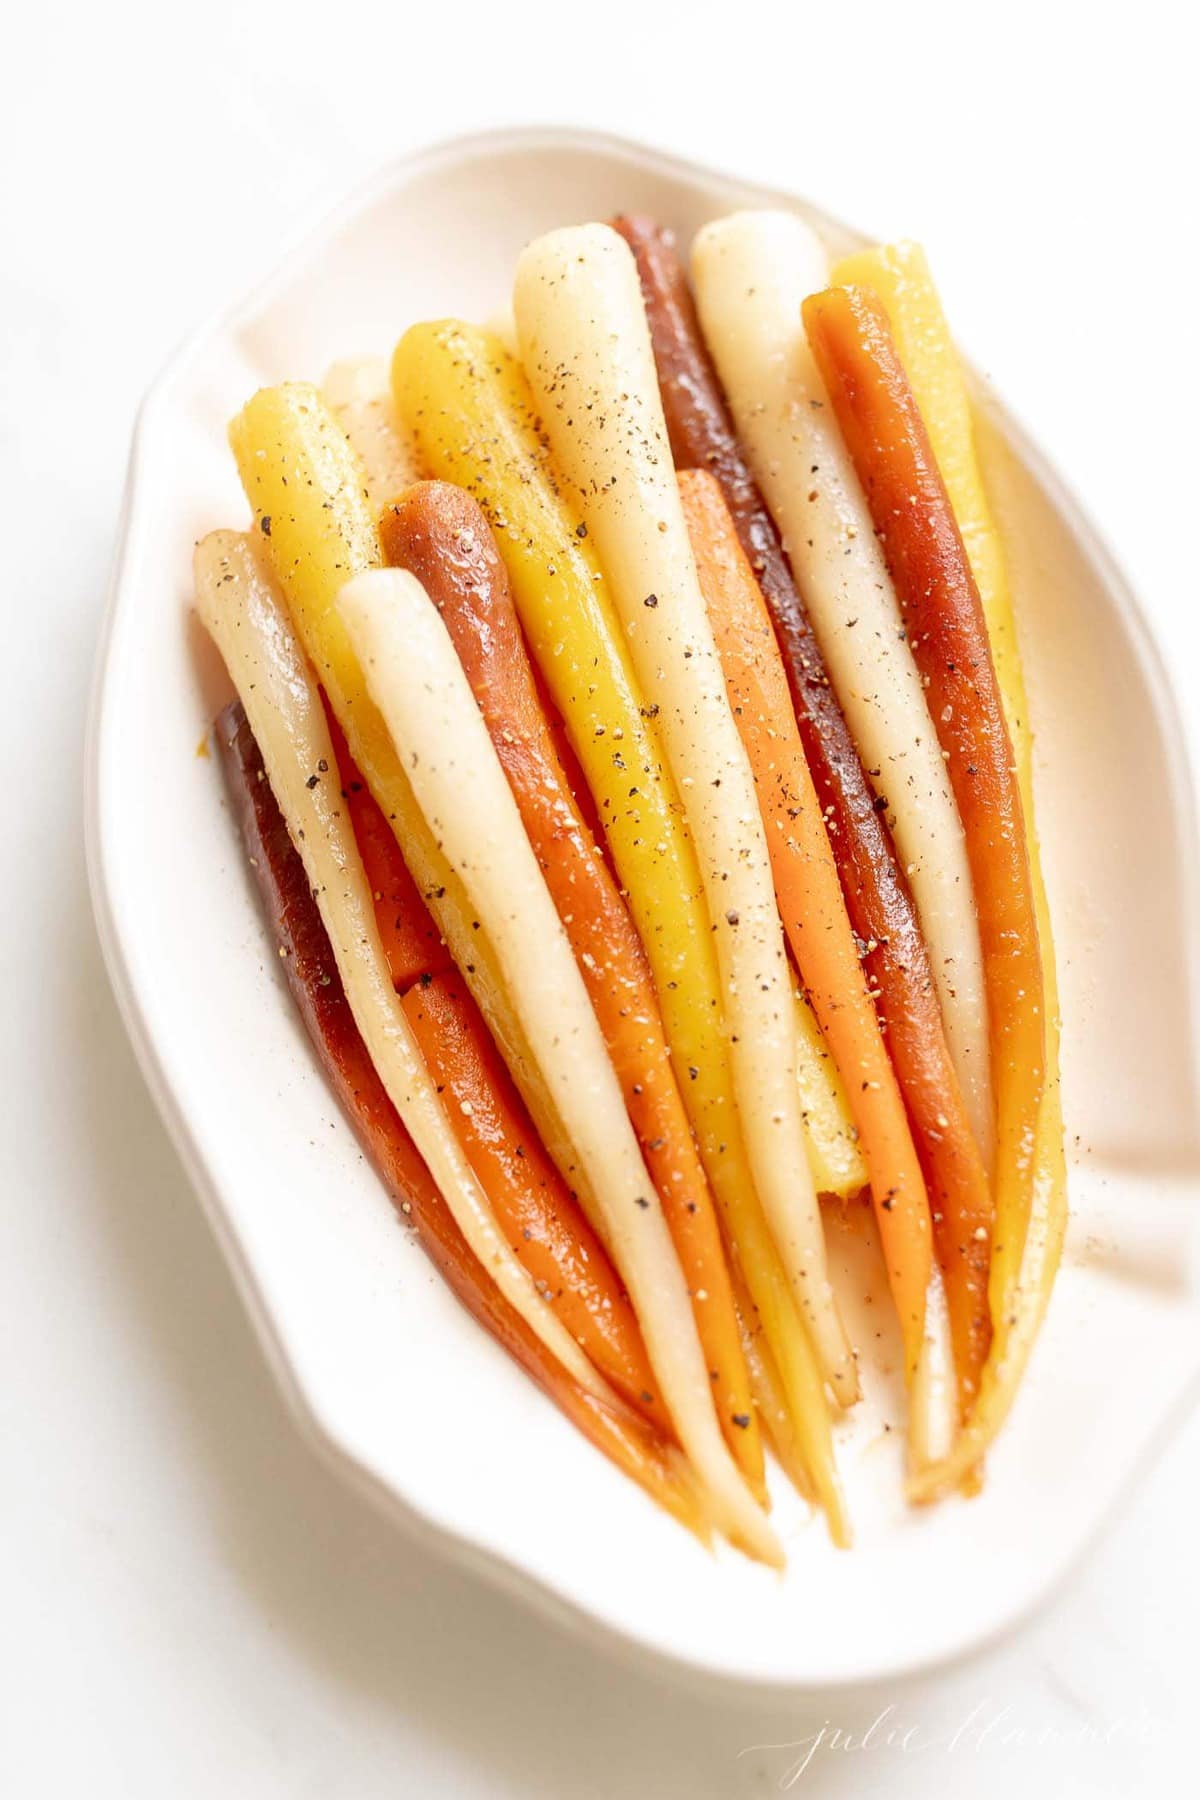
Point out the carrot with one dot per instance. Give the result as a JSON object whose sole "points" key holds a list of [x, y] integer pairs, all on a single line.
{"points": [[529, 1197], [885, 433], [810, 898], [1023, 1273], [316, 528], [876, 894], [311, 969], [531, 1203], [472, 414], [587, 352], [440, 534], [411, 941]]}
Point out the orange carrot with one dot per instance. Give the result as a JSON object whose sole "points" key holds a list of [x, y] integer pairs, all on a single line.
{"points": [[816, 922], [440, 534], [878, 903], [528, 1197], [881, 422], [643, 1453], [411, 941]]}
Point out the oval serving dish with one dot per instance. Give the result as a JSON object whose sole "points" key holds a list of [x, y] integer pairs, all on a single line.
{"points": [[389, 1378]]}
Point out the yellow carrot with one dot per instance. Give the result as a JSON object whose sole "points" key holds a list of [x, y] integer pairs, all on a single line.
{"points": [[835, 1153], [586, 348], [306, 488]]}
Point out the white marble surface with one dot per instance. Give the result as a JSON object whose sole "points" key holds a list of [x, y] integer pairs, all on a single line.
{"points": [[190, 1604]]}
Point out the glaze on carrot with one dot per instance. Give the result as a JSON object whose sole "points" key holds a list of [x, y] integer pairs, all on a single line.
{"points": [[311, 970], [440, 534], [814, 917], [881, 422], [876, 893]]}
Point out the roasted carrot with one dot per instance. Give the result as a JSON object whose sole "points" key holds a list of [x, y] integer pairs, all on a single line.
{"points": [[440, 534], [821, 938], [882, 425], [529, 1199], [877, 898], [311, 969]]}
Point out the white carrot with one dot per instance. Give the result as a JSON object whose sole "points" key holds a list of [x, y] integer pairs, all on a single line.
{"points": [[360, 394], [586, 348], [752, 271], [418, 684], [240, 607]]}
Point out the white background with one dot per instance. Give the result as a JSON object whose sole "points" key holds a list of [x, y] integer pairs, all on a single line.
{"points": [[188, 1604]]}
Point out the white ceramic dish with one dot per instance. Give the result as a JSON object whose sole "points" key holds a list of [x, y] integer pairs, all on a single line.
{"points": [[389, 1378]]}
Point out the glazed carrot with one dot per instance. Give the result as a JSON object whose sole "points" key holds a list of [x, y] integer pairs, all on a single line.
{"points": [[877, 897], [307, 490], [472, 415], [439, 533], [752, 272], [415, 678], [820, 936], [852, 342], [1023, 1275], [470, 409], [312, 975], [244, 614], [587, 353], [528, 1195]]}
